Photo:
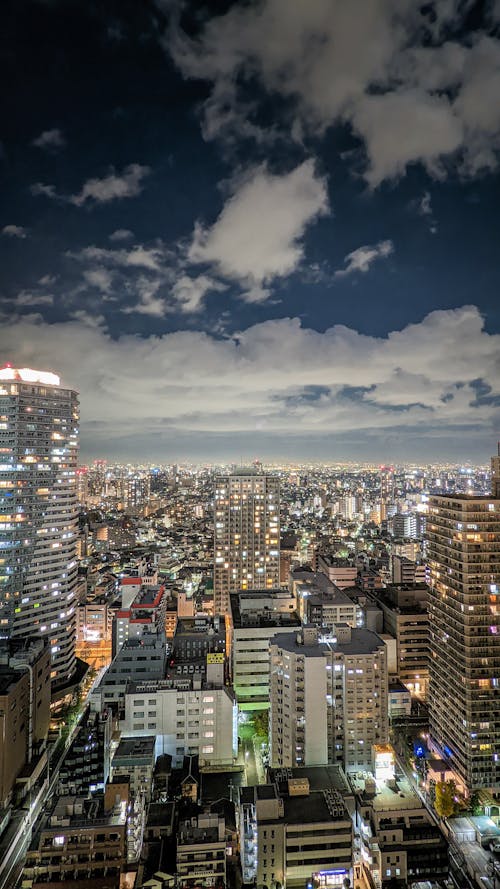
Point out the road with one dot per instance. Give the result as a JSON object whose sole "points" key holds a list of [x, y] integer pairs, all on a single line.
{"points": [[251, 774]]}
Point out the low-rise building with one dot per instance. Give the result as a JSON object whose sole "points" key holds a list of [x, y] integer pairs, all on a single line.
{"points": [[80, 842], [187, 716], [135, 758], [399, 839], [292, 834], [145, 614], [341, 572], [399, 700], [201, 852]]}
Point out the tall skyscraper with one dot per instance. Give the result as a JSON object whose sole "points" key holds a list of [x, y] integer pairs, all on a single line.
{"points": [[463, 534], [247, 535], [39, 512], [495, 474], [386, 489]]}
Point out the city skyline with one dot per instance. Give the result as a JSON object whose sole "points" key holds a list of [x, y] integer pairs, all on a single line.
{"points": [[239, 232]]}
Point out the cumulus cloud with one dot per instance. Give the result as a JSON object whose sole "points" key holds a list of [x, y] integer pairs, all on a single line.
{"points": [[388, 69], [422, 379], [257, 236], [361, 259], [50, 140], [189, 293], [14, 231], [121, 234], [114, 186], [100, 278]]}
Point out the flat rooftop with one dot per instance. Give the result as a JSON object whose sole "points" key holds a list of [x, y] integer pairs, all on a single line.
{"points": [[401, 797], [249, 611], [135, 751], [312, 809], [362, 642], [319, 777]]}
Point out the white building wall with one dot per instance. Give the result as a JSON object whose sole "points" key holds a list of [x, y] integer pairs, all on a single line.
{"points": [[184, 721], [316, 727]]}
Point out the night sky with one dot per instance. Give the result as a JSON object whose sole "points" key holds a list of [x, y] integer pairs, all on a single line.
{"points": [[257, 229]]}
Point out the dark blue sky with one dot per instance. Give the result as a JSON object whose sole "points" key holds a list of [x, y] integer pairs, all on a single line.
{"points": [[179, 181]]}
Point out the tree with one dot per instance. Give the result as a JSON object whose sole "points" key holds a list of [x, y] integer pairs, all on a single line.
{"points": [[445, 798], [261, 722]]}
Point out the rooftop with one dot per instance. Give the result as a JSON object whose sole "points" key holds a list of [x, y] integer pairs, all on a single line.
{"points": [[362, 642], [139, 749]]}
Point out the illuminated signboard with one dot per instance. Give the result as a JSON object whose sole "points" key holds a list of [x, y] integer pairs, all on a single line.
{"points": [[216, 658], [383, 761]]}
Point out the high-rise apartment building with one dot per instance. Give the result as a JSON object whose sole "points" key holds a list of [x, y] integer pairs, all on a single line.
{"points": [[495, 474], [39, 512], [247, 536], [328, 697], [463, 534]]}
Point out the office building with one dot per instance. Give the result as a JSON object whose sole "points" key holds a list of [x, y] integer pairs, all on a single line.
{"points": [[246, 535], [406, 620], [296, 830], [328, 697], [463, 538], [39, 513], [188, 717], [256, 616]]}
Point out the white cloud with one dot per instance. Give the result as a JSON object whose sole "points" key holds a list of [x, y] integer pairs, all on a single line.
{"points": [[149, 303], [257, 236], [114, 186], [138, 256], [15, 231], [100, 278], [406, 127], [387, 68], [121, 234], [361, 259], [50, 140], [276, 376], [424, 208], [189, 293], [28, 298]]}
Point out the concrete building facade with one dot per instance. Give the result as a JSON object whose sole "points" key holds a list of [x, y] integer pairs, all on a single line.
{"points": [[328, 698]]}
